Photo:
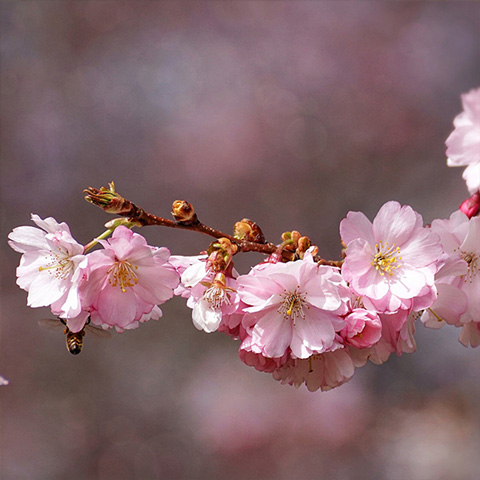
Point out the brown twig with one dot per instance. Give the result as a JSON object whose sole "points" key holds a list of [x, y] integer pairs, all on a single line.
{"points": [[112, 202]]}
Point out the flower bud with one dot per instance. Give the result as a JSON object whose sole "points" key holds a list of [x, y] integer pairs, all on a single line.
{"points": [[227, 246], [296, 236], [247, 230], [304, 244], [220, 254], [217, 261], [471, 206], [291, 237], [108, 199], [184, 213]]}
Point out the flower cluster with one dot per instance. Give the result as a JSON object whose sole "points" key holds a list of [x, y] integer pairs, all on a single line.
{"points": [[303, 319], [117, 286]]}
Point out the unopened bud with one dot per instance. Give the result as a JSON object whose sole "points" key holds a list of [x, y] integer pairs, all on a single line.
{"points": [[291, 237], [304, 244], [227, 246], [108, 199], [290, 241], [216, 261], [220, 254], [184, 213], [296, 236], [247, 230], [471, 206]]}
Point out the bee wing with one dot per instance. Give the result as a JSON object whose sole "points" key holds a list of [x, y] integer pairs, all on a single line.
{"points": [[51, 323], [98, 331]]}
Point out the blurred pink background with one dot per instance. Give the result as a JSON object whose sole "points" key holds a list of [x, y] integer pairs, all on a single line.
{"points": [[289, 113]]}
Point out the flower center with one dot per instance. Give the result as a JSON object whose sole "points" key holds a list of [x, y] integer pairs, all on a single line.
{"points": [[59, 265], [385, 260], [292, 305], [122, 273], [473, 262], [216, 296]]}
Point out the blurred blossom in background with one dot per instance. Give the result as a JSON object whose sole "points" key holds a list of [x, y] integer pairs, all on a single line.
{"points": [[288, 113]]}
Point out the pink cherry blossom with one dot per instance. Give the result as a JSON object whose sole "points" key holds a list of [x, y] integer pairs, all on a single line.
{"points": [[294, 305], [128, 278], [325, 371], [194, 275], [451, 303], [392, 262], [463, 144], [398, 330], [460, 237], [52, 265], [218, 301], [259, 361], [363, 328], [212, 296]]}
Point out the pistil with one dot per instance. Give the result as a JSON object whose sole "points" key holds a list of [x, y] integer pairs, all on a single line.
{"points": [[292, 305]]}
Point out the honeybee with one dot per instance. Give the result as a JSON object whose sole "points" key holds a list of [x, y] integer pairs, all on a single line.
{"points": [[74, 340]]}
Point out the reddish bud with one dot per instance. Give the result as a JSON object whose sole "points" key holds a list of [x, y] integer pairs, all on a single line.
{"points": [[471, 206]]}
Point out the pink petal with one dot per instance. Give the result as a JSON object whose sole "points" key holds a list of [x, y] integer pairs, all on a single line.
{"points": [[356, 225], [274, 333], [394, 223], [313, 334]]}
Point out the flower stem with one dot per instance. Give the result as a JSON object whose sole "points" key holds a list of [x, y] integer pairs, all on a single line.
{"points": [[92, 243]]}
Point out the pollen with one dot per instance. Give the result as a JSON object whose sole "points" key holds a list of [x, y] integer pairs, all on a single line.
{"points": [[122, 273], [59, 265], [386, 259], [292, 305]]}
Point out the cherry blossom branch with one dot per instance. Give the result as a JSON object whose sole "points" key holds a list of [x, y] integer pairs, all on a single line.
{"points": [[303, 324], [109, 200]]}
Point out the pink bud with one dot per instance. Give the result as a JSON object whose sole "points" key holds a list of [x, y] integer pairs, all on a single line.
{"points": [[363, 328], [471, 206]]}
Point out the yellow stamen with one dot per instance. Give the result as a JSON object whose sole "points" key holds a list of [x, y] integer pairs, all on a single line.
{"points": [[435, 315], [385, 260], [123, 273]]}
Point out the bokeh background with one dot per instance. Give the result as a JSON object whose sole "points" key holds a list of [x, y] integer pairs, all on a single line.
{"points": [[289, 113]]}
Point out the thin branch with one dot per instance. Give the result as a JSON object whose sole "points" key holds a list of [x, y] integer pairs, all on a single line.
{"points": [[112, 202]]}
